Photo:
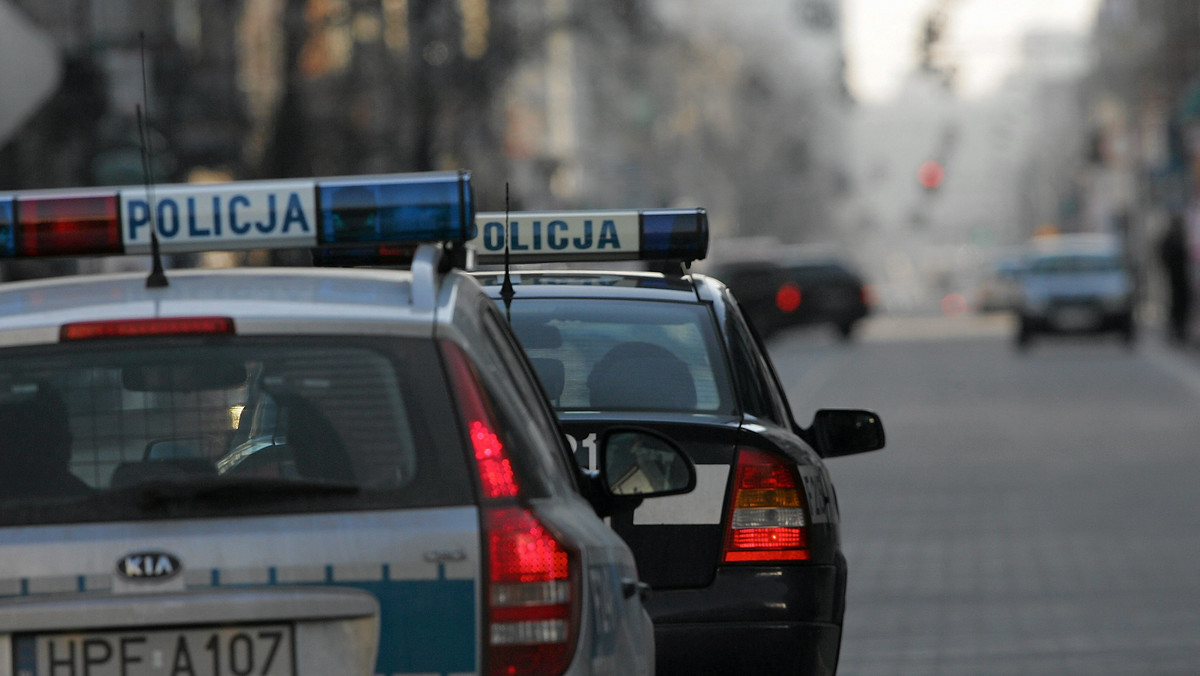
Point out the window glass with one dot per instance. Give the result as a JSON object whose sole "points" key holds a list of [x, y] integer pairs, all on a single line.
{"points": [[526, 417], [598, 354], [87, 421], [757, 394]]}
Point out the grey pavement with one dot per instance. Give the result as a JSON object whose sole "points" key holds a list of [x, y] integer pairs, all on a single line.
{"points": [[1032, 514]]}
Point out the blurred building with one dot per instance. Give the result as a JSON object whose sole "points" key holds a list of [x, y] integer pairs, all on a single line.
{"points": [[947, 183], [1145, 102], [556, 103], [88, 132], [739, 109], [1144, 154]]}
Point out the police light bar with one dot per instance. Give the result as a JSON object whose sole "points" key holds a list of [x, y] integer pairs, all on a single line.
{"points": [[393, 209], [565, 236]]}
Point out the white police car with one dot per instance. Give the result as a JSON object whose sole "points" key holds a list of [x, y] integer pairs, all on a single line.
{"points": [[289, 471], [747, 570]]}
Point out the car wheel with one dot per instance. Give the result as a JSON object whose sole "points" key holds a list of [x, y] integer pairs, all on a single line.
{"points": [[845, 331], [1024, 336], [1129, 334]]}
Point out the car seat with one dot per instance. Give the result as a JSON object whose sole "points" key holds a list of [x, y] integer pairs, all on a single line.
{"points": [[316, 446]]}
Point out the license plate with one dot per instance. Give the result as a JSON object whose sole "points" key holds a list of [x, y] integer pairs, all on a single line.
{"points": [[261, 650], [1075, 318]]}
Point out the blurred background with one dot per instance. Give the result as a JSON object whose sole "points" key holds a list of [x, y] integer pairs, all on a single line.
{"points": [[1035, 510], [921, 139]]}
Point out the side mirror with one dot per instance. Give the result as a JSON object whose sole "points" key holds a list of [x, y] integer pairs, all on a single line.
{"points": [[838, 432], [636, 462]]}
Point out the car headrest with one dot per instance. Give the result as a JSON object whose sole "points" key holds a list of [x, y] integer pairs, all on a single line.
{"points": [[536, 334], [641, 375]]}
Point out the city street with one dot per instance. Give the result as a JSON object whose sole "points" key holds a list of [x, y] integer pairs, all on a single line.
{"points": [[1032, 513]]}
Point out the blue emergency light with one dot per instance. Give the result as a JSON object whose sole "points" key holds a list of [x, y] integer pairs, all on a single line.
{"points": [[330, 213], [581, 236]]}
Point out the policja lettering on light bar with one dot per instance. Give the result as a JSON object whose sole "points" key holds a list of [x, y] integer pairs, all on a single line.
{"points": [[563, 236], [586, 235], [246, 216]]}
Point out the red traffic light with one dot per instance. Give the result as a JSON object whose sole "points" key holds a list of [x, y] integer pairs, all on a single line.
{"points": [[930, 174]]}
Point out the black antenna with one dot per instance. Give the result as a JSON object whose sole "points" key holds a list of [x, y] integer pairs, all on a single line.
{"points": [[157, 278], [506, 289]]}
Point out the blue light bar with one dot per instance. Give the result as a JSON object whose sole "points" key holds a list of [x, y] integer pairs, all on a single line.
{"points": [[411, 208], [8, 229], [584, 236], [331, 213]]}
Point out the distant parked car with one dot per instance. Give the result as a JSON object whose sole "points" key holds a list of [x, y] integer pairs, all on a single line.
{"points": [[784, 291], [1076, 285]]}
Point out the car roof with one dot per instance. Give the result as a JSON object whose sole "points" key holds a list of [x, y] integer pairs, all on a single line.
{"points": [[314, 300], [615, 284]]}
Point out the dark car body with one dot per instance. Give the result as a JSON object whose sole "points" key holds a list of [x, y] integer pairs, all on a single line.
{"points": [[725, 406], [783, 292]]}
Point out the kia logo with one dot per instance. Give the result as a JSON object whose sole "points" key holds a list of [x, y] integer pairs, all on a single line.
{"points": [[148, 566]]}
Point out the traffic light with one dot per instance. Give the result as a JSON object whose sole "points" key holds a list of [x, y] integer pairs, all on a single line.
{"points": [[930, 174]]}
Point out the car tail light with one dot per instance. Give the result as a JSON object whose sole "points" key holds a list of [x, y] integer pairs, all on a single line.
{"points": [[532, 595], [533, 574], [768, 517], [136, 328], [866, 292], [788, 297]]}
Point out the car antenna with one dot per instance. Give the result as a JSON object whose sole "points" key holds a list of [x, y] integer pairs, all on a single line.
{"points": [[157, 278], [685, 269], [506, 289]]}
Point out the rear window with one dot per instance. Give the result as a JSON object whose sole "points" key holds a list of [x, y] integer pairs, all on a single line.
{"points": [[148, 428], [604, 354]]}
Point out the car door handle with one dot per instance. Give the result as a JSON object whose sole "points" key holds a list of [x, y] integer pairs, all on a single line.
{"points": [[631, 587]]}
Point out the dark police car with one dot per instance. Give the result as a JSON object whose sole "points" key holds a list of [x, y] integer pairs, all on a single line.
{"points": [[747, 570]]}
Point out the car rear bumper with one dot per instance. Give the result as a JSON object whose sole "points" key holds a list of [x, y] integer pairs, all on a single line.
{"points": [[1084, 320], [752, 620], [748, 648]]}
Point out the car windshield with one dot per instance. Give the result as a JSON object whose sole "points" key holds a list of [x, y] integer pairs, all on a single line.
{"points": [[82, 421], [598, 354]]}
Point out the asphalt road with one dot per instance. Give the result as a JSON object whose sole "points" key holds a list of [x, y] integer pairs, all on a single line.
{"points": [[1033, 513]]}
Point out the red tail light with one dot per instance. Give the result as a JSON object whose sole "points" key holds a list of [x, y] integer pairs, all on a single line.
{"points": [[532, 600], [768, 518], [136, 328], [533, 590], [867, 293], [788, 297]]}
